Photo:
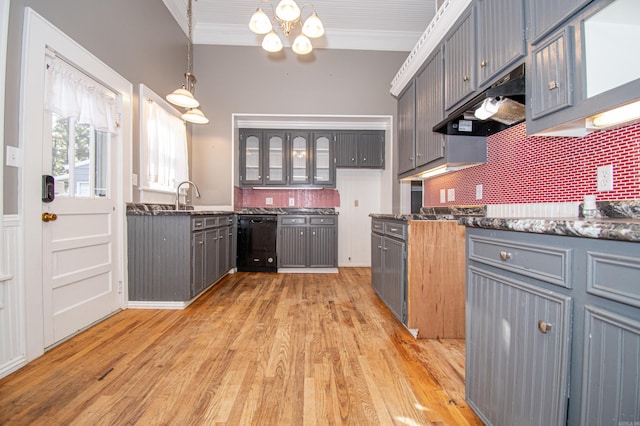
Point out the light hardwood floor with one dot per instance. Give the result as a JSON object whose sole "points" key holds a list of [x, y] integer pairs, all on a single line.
{"points": [[261, 349]]}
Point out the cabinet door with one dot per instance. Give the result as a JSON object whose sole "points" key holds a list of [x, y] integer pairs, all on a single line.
{"points": [[198, 266], [211, 256], [346, 149], [292, 247], [275, 158], [394, 276], [371, 149], [551, 80], [516, 372], [324, 169], [501, 36], [251, 158], [299, 162], [376, 263], [222, 252], [611, 373], [429, 111], [406, 130], [322, 247], [545, 15], [460, 62]]}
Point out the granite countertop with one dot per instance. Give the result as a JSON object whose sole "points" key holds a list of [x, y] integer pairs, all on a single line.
{"points": [[437, 213], [615, 220], [142, 209]]}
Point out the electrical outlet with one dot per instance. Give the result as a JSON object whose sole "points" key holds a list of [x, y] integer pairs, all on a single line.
{"points": [[605, 178], [268, 201], [291, 202], [443, 196], [451, 194], [13, 156], [479, 191]]}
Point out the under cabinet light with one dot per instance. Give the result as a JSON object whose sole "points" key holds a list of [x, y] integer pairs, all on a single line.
{"points": [[623, 114]]}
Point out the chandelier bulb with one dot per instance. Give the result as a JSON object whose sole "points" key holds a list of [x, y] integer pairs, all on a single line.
{"points": [[272, 43], [287, 10], [302, 45], [260, 22], [313, 26]]}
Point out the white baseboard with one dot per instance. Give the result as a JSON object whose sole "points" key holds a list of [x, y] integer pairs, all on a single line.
{"points": [[307, 270]]}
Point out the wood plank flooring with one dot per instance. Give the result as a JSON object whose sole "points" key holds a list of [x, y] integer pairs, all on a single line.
{"points": [[257, 349]]}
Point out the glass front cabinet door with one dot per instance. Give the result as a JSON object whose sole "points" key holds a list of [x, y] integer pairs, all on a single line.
{"points": [[275, 158], [299, 160], [251, 158], [323, 159]]}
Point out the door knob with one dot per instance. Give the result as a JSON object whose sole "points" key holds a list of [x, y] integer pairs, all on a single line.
{"points": [[49, 217]]}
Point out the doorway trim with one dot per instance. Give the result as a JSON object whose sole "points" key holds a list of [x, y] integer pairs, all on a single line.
{"points": [[38, 35]]}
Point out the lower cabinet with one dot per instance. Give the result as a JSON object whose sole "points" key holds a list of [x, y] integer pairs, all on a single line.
{"points": [[389, 265], [307, 241], [553, 330], [173, 258]]}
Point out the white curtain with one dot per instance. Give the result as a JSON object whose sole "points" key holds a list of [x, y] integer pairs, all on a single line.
{"points": [[165, 145], [70, 93]]}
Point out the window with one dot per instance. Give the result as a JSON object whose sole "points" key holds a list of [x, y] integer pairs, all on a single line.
{"points": [[163, 145]]}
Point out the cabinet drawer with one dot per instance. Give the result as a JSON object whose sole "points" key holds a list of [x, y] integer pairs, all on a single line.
{"points": [[298, 220], [211, 222], [329, 220], [614, 277], [549, 264], [395, 229], [377, 226], [197, 223]]}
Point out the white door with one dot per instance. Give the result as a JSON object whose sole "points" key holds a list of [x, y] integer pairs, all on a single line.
{"points": [[80, 286]]}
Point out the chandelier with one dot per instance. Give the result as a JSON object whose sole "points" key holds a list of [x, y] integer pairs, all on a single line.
{"points": [[287, 14], [183, 97]]}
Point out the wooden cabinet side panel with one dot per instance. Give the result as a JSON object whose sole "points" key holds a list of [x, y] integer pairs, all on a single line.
{"points": [[436, 271]]}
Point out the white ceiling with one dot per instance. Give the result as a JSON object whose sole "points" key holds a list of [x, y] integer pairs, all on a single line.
{"points": [[391, 25]]}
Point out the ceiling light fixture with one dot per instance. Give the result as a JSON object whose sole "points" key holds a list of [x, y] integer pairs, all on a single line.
{"points": [[287, 13], [183, 97]]}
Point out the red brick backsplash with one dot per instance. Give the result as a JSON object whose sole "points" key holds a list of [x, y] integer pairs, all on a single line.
{"points": [[537, 169], [304, 198]]}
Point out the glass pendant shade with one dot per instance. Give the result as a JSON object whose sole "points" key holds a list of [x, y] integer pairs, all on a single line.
{"points": [[313, 26], [196, 116], [260, 22], [272, 43], [182, 98], [288, 10], [302, 45]]}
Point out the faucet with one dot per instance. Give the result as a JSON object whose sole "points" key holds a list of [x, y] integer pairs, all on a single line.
{"points": [[195, 187]]}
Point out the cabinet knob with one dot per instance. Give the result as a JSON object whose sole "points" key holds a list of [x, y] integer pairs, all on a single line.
{"points": [[483, 64], [553, 85], [353, 159], [313, 233], [364, 159], [384, 248], [505, 255], [301, 233], [544, 327], [465, 78], [379, 247]]}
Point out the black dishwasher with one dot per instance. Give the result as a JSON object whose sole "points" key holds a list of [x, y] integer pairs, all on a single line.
{"points": [[257, 243]]}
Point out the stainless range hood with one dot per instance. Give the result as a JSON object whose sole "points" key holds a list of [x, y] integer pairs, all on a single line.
{"points": [[504, 101]]}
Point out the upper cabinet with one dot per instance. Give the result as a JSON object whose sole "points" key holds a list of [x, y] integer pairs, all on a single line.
{"points": [[460, 61], [545, 15], [406, 129], [429, 110], [360, 149], [501, 36]]}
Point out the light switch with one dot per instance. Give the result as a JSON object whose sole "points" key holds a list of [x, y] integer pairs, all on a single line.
{"points": [[134, 179], [355, 203], [13, 156]]}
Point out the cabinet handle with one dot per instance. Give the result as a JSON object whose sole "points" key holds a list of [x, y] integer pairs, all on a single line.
{"points": [[353, 159], [553, 85], [483, 64], [200, 242], [393, 229], [411, 158], [505, 255], [379, 247], [465, 78], [418, 155], [384, 248], [544, 327]]}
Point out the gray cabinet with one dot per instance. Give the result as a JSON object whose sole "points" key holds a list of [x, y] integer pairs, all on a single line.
{"points": [[307, 241], [360, 149], [323, 163], [251, 160], [546, 15], [389, 265], [460, 61], [501, 37], [552, 319], [173, 258], [551, 74], [429, 110], [406, 129], [275, 157]]}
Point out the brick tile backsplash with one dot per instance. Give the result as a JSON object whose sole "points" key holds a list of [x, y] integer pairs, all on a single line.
{"points": [[303, 198], [542, 169]]}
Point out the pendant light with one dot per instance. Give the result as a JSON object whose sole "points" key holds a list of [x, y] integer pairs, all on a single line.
{"points": [[183, 97]]}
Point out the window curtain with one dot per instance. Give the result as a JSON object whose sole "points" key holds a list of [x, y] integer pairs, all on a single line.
{"points": [[70, 93], [166, 147]]}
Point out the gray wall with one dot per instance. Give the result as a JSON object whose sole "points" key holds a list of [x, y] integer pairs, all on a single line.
{"points": [[235, 79], [139, 39]]}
